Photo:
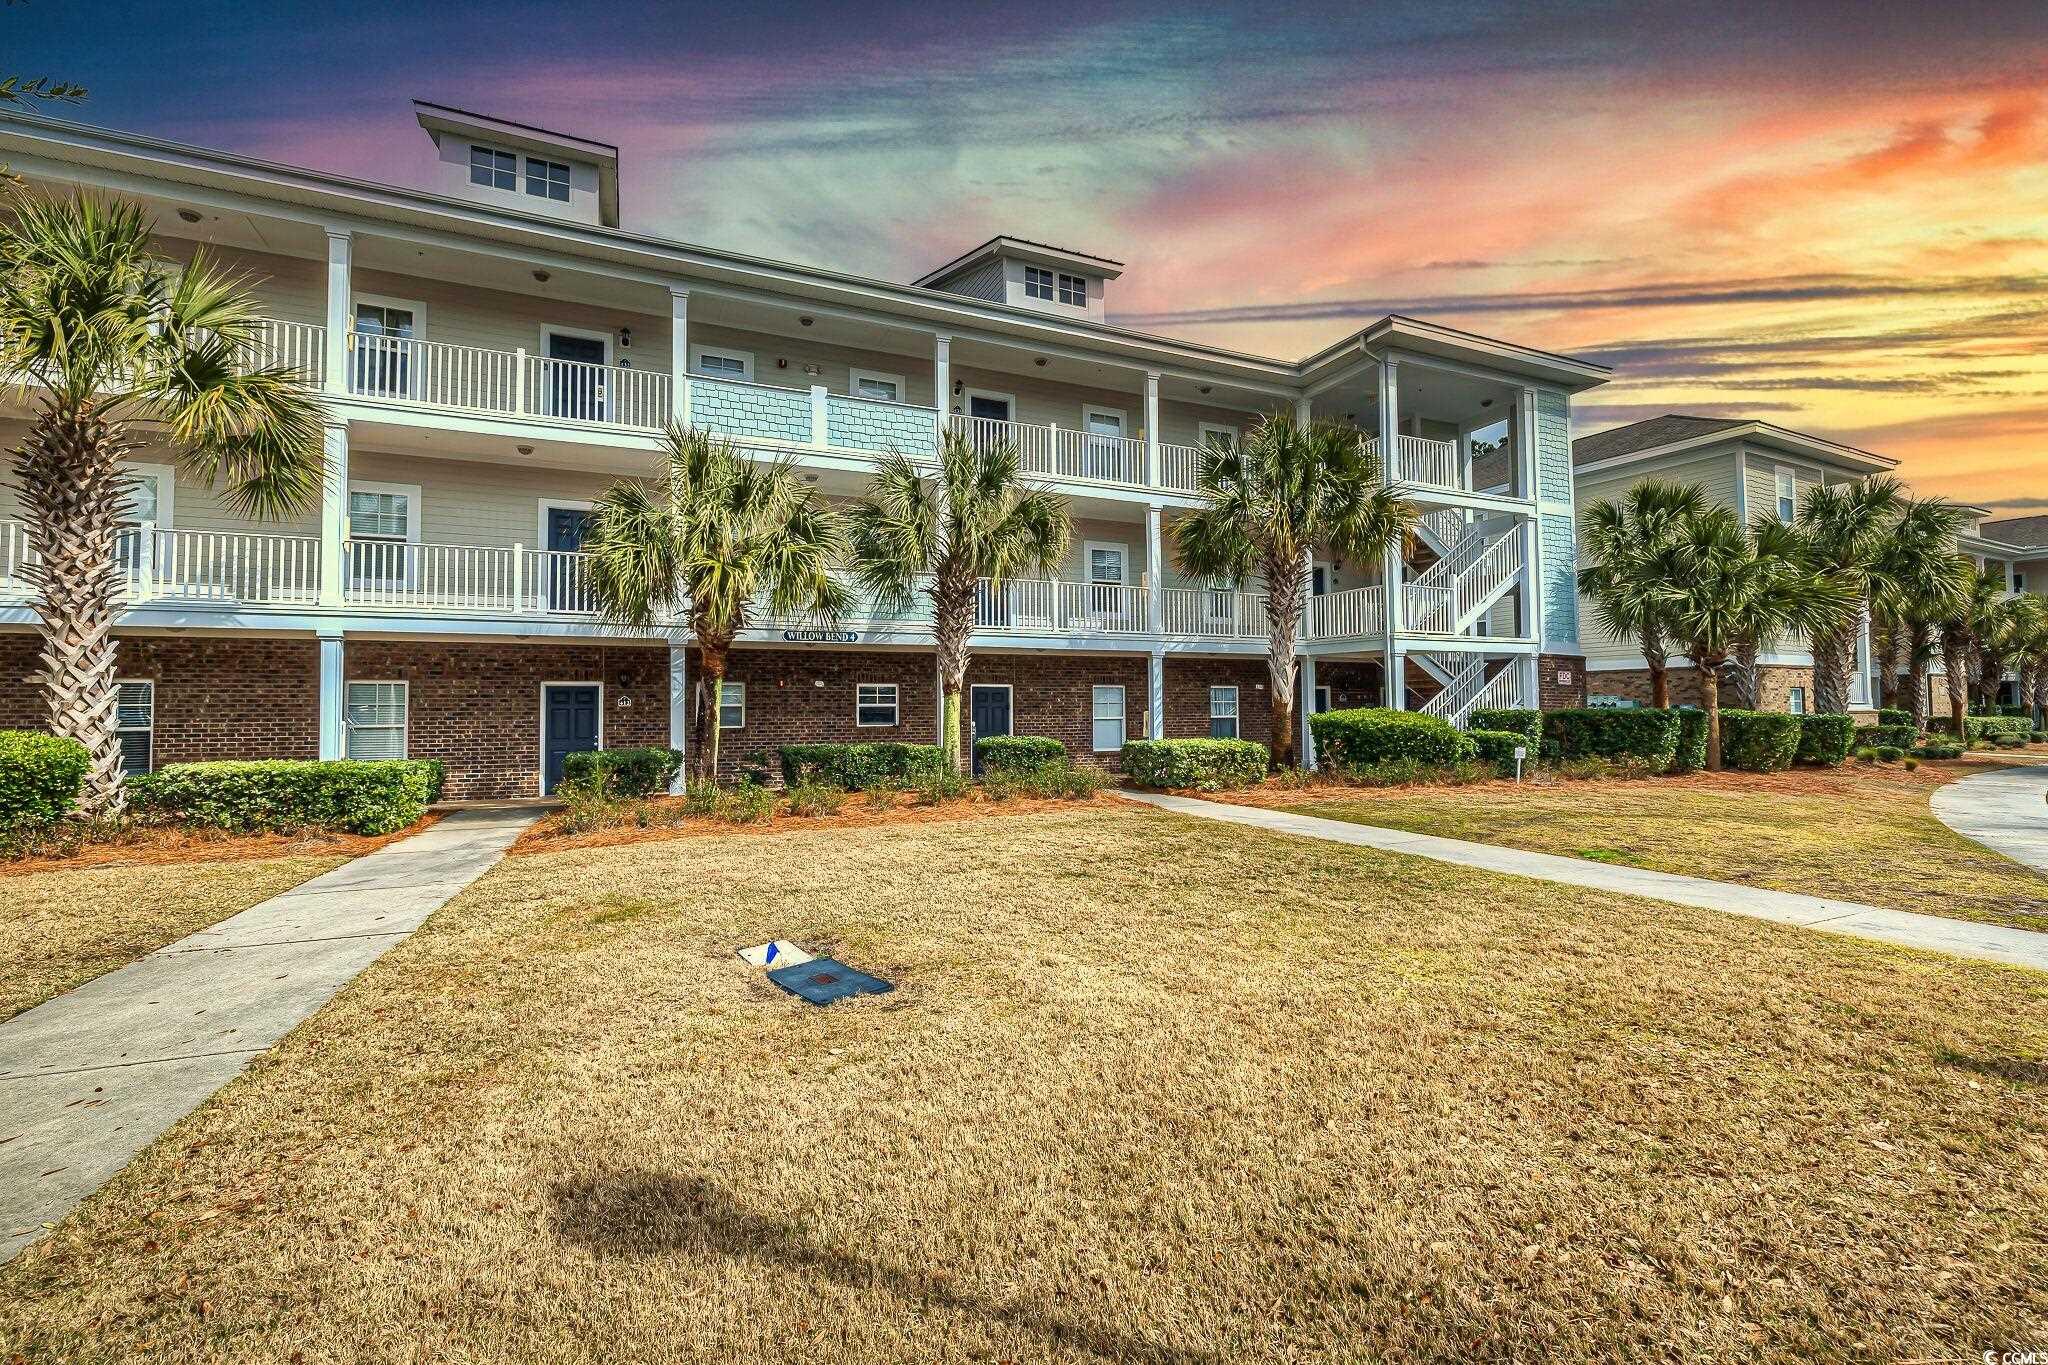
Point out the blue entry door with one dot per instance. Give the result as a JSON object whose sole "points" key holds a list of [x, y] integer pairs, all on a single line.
{"points": [[565, 571], [568, 726]]}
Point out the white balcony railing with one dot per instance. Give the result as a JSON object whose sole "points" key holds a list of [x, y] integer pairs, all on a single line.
{"points": [[1180, 466], [1422, 461], [230, 567], [1214, 613], [1428, 609], [586, 392], [1354, 614], [1059, 452], [299, 345]]}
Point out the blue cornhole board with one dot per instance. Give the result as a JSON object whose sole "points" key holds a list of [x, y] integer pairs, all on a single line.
{"points": [[827, 979]]}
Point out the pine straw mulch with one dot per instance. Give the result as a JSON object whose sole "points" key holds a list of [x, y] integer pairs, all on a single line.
{"points": [[548, 836], [160, 845]]}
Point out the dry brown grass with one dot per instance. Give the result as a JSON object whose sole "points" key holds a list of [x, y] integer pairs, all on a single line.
{"points": [[1150, 1089], [1855, 833], [62, 926]]}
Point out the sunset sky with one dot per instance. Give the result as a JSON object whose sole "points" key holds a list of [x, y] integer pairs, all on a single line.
{"points": [[1829, 215]]}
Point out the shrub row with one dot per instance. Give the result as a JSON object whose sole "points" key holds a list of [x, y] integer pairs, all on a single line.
{"points": [[1892, 715], [1871, 736], [1364, 737], [40, 778], [1825, 740], [1513, 720], [1498, 747], [624, 772], [1017, 755], [349, 795], [1994, 727], [1644, 733], [1201, 764], [857, 767], [1759, 741]]}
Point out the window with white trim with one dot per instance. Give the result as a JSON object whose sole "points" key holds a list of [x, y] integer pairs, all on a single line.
{"points": [[379, 514], [547, 179], [1223, 713], [1074, 291], [492, 168], [135, 725], [875, 704], [887, 388], [1109, 719], [719, 364], [1038, 283], [732, 706], [1795, 700], [374, 720], [1788, 495]]}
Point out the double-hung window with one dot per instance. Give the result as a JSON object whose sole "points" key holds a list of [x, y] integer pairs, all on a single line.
{"points": [[374, 718], [1788, 496], [1109, 719], [875, 704], [1223, 713], [1038, 283], [547, 179], [380, 535], [1074, 291], [1795, 701], [135, 725], [492, 168], [732, 706]]}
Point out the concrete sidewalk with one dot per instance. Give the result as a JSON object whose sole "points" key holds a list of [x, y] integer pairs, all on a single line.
{"points": [[2005, 811], [90, 1078], [1992, 942]]}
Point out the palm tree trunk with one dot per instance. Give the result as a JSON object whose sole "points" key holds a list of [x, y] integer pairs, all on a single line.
{"points": [[1834, 653], [1658, 662], [1710, 697], [1748, 686], [68, 471], [952, 623], [1283, 624], [713, 651], [1913, 674], [1954, 658]]}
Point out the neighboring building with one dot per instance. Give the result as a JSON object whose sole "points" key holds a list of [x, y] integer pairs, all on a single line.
{"points": [[499, 349], [2026, 541], [1759, 469]]}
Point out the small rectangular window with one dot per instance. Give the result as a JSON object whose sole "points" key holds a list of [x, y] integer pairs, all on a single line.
{"points": [[870, 384], [1038, 283], [547, 179], [875, 704], [732, 706], [1795, 701], [1109, 719], [135, 723], [492, 168], [1074, 290], [378, 516], [374, 719], [1223, 713], [721, 365], [1788, 496]]}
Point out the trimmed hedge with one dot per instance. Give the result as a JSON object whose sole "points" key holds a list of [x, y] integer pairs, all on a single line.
{"points": [[1498, 747], [626, 772], [857, 767], [1642, 732], [1759, 741], [1892, 715], [1995, 727], [1017, 755], [1363, 737], [1203, 764], [1513, 719], [40, 777], [353, 796], [1902, 736], [1825, 740], [1691, 754]]}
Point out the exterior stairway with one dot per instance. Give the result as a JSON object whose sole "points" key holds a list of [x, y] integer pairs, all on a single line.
{"points": [[1477, 682], [1472, 573]]}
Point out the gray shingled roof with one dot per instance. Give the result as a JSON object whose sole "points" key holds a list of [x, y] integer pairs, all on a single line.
{"points": [[2017, 531], [1648, 433]]}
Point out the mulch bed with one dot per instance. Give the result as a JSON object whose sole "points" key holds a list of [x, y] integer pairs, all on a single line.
{"points": [[167, 845]]}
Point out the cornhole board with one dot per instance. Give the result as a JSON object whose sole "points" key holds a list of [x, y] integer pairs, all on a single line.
{"points": [[827, 979], [775, 953]]}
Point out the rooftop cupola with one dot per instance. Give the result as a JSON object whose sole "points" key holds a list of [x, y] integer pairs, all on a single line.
{"points": [[1025, 274], [515, 166]]}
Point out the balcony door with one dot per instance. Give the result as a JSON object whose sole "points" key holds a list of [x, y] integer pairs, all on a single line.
{"points": [[1108, 573], [382, 364], [563, 582], [1102, 450], [575, 380]]}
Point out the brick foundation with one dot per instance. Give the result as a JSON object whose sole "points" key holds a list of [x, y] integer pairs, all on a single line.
{"points": [[1054, 695], [1560, 681], [1775, 684], [787, 705], [1187, 696]]}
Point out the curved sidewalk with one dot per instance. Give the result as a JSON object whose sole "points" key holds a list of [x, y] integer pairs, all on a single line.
{"points": [[2006, 811], [1991, 942], [90, 1078]]}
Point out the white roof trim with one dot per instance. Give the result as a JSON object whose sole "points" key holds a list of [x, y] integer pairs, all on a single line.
{"points": [[1763, 433]]}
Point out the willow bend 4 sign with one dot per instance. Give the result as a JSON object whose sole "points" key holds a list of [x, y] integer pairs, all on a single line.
{"points": [[822, 637]]}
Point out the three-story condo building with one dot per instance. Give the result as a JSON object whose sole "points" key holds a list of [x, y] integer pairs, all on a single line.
{"points": [[496, 349]]}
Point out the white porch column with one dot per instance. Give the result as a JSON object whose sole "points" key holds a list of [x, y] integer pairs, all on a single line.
{"points": [[1391, 593], [678, 703], [1525, 439], [942, 376], [1304, 410], [1151, 428], [333, 514], [340, 310], [1308, 708], [1532, 684], [1155, 695], [1395, 679], [1155, 568], [679, 354], [333, 717]]}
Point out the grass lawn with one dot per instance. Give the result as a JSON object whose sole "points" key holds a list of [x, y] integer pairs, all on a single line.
{"points": [[64, 926], [1854, 833], [1150, 1088]]}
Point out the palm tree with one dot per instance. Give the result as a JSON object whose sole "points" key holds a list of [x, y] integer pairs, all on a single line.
{"points": [[1965, 630], [1723, 592], [2001, 644], [107, 337], [727, 540], [942, 536], [1916, 581], [1842, 532], [1627, 549], [1271, 498]]}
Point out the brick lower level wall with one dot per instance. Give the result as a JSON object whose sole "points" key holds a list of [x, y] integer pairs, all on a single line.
{"points": [[1775, 684], [1187, 697], [808, 696], [1054, 695], [216, 697], [1560, 681]]}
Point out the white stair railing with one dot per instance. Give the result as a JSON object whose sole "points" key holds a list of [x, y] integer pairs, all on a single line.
{"points": [[1448, 596], [1454, 701]]}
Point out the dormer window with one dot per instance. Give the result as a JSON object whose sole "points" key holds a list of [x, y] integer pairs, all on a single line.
{"points": [[492, 168], [547, 179], [1038, 283], [1074, 290]]}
